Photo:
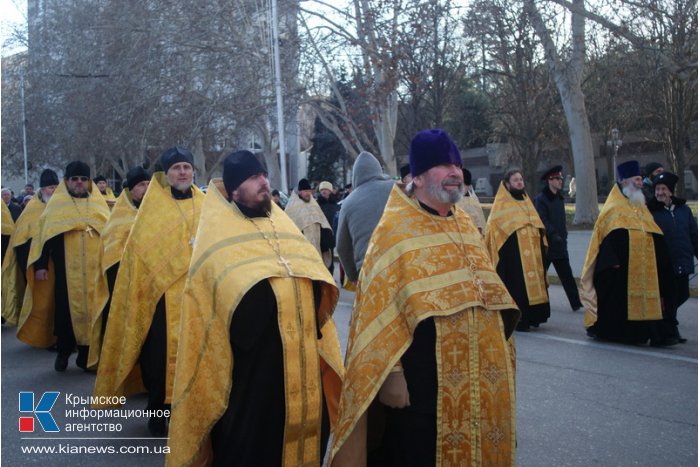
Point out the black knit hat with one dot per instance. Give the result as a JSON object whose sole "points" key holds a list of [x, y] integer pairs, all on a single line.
{"points": [[650, 167], [136, 175], [77, 168], [666, 178], [240, 166], [303, 185], [99, 178], [48, 178], [173, 156]]}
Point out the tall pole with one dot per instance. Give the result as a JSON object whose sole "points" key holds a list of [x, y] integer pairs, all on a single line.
{"points": [[24, 131], [278, 91]]}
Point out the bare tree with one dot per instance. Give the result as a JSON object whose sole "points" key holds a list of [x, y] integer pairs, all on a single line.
{"points": [[567, 70], [370, 35], [432, 75], [666, 32], [523, 105]]}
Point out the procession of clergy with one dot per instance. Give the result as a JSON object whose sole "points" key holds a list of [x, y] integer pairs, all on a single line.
{"points": [[220, 305]]}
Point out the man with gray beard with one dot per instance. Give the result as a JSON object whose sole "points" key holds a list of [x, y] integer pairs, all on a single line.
{"points": [[627, 272]]}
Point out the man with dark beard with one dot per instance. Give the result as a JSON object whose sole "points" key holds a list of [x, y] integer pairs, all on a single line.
{"points": [[308, 216], [14, 269], [68, 244], [144, 318], [515, 238], [259, 368], [627, 273]]}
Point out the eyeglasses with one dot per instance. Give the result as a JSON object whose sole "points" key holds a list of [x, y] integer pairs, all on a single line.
{"points": [[75, 178], [556, 178]]}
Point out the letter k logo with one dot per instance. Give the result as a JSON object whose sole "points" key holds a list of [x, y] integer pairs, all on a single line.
{"points": [[42, 411]]}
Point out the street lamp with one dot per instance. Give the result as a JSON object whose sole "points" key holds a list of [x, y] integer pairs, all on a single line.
{"points": [[615, 142]]}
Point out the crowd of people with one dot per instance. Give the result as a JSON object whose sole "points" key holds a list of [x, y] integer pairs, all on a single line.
{"points": [[219, 305]]}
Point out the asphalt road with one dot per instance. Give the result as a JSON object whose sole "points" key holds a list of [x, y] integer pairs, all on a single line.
{"points": [[580, 402]]}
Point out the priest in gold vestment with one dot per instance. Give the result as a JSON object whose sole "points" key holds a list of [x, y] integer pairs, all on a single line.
{"points": [[308, 216], [516, 239], [259, 369], [14, 267], [470, 202], [69, 243], [8, 227], [430, 377], [140, 342], [627, 274], [114, 237]]}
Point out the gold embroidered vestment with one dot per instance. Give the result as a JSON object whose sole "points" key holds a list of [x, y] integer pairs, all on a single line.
{"points": [[643, 296], [231, 255], [154, 264], [421, 266]]}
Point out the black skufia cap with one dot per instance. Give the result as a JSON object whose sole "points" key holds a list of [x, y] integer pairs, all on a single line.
{"points": [[48, 178], [238, 167], [77, 168], [136, 175], [303, 185], [174, 155]]}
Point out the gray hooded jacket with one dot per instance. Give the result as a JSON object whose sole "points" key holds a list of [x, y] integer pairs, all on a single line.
{"points": [[360, 212]]}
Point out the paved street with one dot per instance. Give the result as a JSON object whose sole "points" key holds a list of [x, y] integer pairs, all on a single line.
{"points": [[580, 402]]}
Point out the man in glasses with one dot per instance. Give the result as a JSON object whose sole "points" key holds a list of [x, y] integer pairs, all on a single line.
{"points": [[66, 251], [550, 205], [141, 337]]}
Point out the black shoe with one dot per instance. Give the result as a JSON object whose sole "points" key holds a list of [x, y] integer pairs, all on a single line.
{"points": [[682, 340], [81, 360], [522, 327], [156, 426], [669, 341], [61, 362], [591, 333], [576, 308]]}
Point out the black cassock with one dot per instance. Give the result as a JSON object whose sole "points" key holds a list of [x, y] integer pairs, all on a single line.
{"points": [[610, 282], [510, 270], [251, 430]]}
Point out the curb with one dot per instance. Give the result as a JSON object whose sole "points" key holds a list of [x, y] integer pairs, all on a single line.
{"points": [[554, 279]]}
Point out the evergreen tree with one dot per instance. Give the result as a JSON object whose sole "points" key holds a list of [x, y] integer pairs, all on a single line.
{"points": [[326, 157]]}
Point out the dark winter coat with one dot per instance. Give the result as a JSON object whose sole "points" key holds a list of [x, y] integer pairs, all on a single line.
{"points": [[550, 207], [680, 233]]}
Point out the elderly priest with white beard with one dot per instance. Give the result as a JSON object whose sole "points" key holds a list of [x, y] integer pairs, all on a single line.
{"points": [[626, 274]]}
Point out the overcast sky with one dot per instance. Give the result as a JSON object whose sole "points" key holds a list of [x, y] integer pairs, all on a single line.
{"points": [[13, 12]]}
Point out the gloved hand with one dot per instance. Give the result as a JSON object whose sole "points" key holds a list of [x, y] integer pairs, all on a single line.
{"points": [[394, 391]]}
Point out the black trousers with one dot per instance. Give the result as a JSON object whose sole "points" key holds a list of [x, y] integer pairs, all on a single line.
{"points": [[566, 277], [153, 359]]}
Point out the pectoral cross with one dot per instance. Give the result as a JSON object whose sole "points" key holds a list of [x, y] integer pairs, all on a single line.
{"points": [[285, 263], [88, 229]]}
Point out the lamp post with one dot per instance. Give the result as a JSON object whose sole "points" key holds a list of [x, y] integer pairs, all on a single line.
{"points": [[615, 142]]}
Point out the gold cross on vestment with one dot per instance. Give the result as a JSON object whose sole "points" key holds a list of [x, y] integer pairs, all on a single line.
{"points": [[285, 263], [454, 354], [88, 229]]}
